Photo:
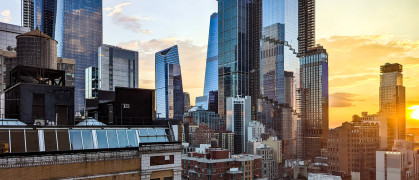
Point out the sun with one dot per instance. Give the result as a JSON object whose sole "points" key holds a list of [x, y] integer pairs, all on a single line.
{"points": [[415, 112]]}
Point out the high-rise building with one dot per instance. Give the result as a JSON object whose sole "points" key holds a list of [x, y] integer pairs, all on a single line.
{"points": [[279, 70], [78, 30], [375, 119], [39, 14], [211, 69], [8, 33], [233, 63], [314, 96], [306, 25], [351, 148], [269, 163], [213, 101], [393, 101], [91, 82], [169, 88], [238, 117], [187, 101], [117, 68]]}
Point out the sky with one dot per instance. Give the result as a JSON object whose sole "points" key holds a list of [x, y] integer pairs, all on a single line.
{"points": [[359, 35]]}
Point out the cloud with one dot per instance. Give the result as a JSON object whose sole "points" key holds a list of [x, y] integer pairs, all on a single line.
{"points": [[192, 60], [132, 23], [6, 16], [343, 99]]}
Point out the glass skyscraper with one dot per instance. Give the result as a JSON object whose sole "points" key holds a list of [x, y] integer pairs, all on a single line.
{"points": [[279, 70], [211, 69], [39, 13], [169, 88], [315, 101], [78, 30], [233, 61], [393, 102]]}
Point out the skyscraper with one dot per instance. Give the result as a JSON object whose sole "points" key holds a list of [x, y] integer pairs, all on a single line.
{"points": [[118, 67], [211, 69], [279, 70], [169, 89], [238, 117], [306, 25], [233, 61], [187, 101], [39, 13], [78, 30], [314, 101], [393, 101]]}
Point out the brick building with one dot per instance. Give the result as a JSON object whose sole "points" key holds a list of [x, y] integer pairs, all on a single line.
{"points": [[351, 149], [217, 163]]}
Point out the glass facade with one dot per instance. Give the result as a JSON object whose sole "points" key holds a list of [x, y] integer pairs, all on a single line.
{"points": [[233, 65], [315, 101], [279, 70], [50, 139], [117, 68], [78, 30], [169, 88], [43, 14], [8, 33], [211, 69]]}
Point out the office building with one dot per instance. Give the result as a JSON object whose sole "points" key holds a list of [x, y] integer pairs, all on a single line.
{"points": [[146, 152], [269, 164], [400, 163], [314, 96], [225, 140], [213, 101], [8, 33], [306, 26], [276, 145], [36, 49], [211, 69], [201, 116], [91, 82], [117, 68], [201, 135], [238, 111], [216, 163], [69, 66], [169, 88], [375, 119], [186, 102], [39, 14], [78, 30], [255, 131], [393, 101], [351, 148], [279, 70]]}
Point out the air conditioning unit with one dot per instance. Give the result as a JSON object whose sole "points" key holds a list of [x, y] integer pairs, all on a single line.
{"points": [[39, 122]]}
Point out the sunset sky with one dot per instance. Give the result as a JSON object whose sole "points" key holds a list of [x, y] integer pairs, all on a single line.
{"points": [[359, 35]]}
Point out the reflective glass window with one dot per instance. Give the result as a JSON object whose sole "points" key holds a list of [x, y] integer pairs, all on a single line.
{"points": [[63, 140], [143, 132], [152, 139], [112, 139], [32, 141], [122, 137], [102, 141], [87, 139], [75, 139], [132, 138], [144, 139], [50, 140], [161, 132], [151, 132], [17, 141], [161, 139], [4, 141]]}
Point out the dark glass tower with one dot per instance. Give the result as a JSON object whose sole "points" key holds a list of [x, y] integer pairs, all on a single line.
{"points": [[169, 89], [78, 30], [233, 61], [211, 69], [315, 101], [39, 13], [279, 71]]}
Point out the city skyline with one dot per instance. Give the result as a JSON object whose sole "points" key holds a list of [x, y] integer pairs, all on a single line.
{"points": [[352, 39]]}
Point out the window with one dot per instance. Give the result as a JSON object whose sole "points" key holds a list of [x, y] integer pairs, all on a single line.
{"points": [[17, 141], [87, 139], [161, 160], [50, 140], [63, 141], [102, 141], [132, 138], [32, 141], [122, 137], [4, 141], [75, 139], [112, 139]]}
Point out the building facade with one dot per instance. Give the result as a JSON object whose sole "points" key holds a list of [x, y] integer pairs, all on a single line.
{"points": [[169, 88], [218, 164], [351, 148], [78, 30], [117, 68], [269, 164], [91, 82], [69, 66], [255, 131], [393, 101], [238, 111], [314, 96], [39, 14], [186, 101], [211, 69], [8, 33]]}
